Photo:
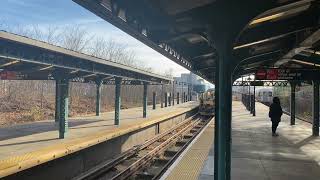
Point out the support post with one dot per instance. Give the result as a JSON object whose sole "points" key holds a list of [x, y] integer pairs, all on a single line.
{"points": [[216, 122], [254, 101], [57, 109], [293, 104], [250, 104], [184, 97], [145, 99], [169, 99], [224, 107], [165, 99], [315, 124], [172, 92], [182, 93], [178, 98], [161, 99], [224, 118], [117, 104], [154, 95], [173, 98], [188, 91], [63, 89], [190, 94], [98, 97]]}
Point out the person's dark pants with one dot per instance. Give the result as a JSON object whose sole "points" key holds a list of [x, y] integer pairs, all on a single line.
{"points": [[274, 126]]}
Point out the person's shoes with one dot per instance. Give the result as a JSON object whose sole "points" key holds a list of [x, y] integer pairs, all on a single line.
{"points": [[275, 134]]}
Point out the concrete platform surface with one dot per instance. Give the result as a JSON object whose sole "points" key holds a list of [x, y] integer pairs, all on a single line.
{"points": [[22, 142], [256, 155]]}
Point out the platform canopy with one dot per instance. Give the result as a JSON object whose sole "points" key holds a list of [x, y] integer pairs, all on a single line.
{"points": [[22, 58], [259, 34]]}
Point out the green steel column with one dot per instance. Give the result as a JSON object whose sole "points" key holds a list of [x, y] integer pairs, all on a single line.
{"points": [[165, 99], [224, 118], [173, 91], [117, 104], [254, 101], [154, 95], [293, 104], [145, 99], [187, 94], [216, 121], [250, 103], [57, 109], [173, 99], [98, 97], [184, 97], [63, 87], [161, 96], [178, 98], [315, 124], [182, 93], [190, 95], [169, 99]]}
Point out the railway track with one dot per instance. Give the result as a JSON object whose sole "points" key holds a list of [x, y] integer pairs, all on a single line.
{"points": [[151, 159]]}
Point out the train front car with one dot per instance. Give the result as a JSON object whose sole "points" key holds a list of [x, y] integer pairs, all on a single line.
{"points": [[264, 95], [206, 107]]}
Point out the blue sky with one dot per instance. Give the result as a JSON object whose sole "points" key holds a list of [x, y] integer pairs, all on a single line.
{"points": [[66, 12]]}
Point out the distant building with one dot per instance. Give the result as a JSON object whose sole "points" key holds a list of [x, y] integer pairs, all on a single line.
{"points": [[196, 84]]}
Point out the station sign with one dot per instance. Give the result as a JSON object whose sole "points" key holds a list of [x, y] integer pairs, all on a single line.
{"points": [[287, 74]]}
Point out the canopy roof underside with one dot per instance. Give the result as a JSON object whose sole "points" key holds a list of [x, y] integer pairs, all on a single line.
{"points": [[271, 33]]}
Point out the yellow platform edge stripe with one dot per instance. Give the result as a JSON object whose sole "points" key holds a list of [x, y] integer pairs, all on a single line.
{"points": [[19, 163]]}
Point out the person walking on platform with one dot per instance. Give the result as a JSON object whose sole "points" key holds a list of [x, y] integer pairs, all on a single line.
{"points": [[275, 114]]}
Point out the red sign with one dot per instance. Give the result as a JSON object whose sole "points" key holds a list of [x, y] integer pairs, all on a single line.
{"points": [[8, 75], [272, 74], [261, 74]]}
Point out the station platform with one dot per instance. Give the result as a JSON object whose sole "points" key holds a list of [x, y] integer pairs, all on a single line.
{"points": [[35, 143], [256, 155]]}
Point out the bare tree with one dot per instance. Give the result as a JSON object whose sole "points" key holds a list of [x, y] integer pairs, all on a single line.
{"points": [[75, 38], [52, 35]]}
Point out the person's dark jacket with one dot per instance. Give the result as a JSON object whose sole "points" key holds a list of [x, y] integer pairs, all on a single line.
{"points": [[275, 112]]}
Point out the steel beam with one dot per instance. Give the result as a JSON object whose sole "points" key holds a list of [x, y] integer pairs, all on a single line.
{"points": [[315, 110], [117, 104], [293, 104], [145, 99], [98, 97], [63, 89], [154, 96], [307, 43]]}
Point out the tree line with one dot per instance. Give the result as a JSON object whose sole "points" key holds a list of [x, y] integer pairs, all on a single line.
{"points": [[33, 100]]}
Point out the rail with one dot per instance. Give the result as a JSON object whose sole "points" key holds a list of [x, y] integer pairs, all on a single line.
{"points": [[151, 159]]}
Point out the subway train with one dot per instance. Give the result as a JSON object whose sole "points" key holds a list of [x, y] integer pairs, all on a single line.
{"points": [[206, 107], [264, 95]]}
